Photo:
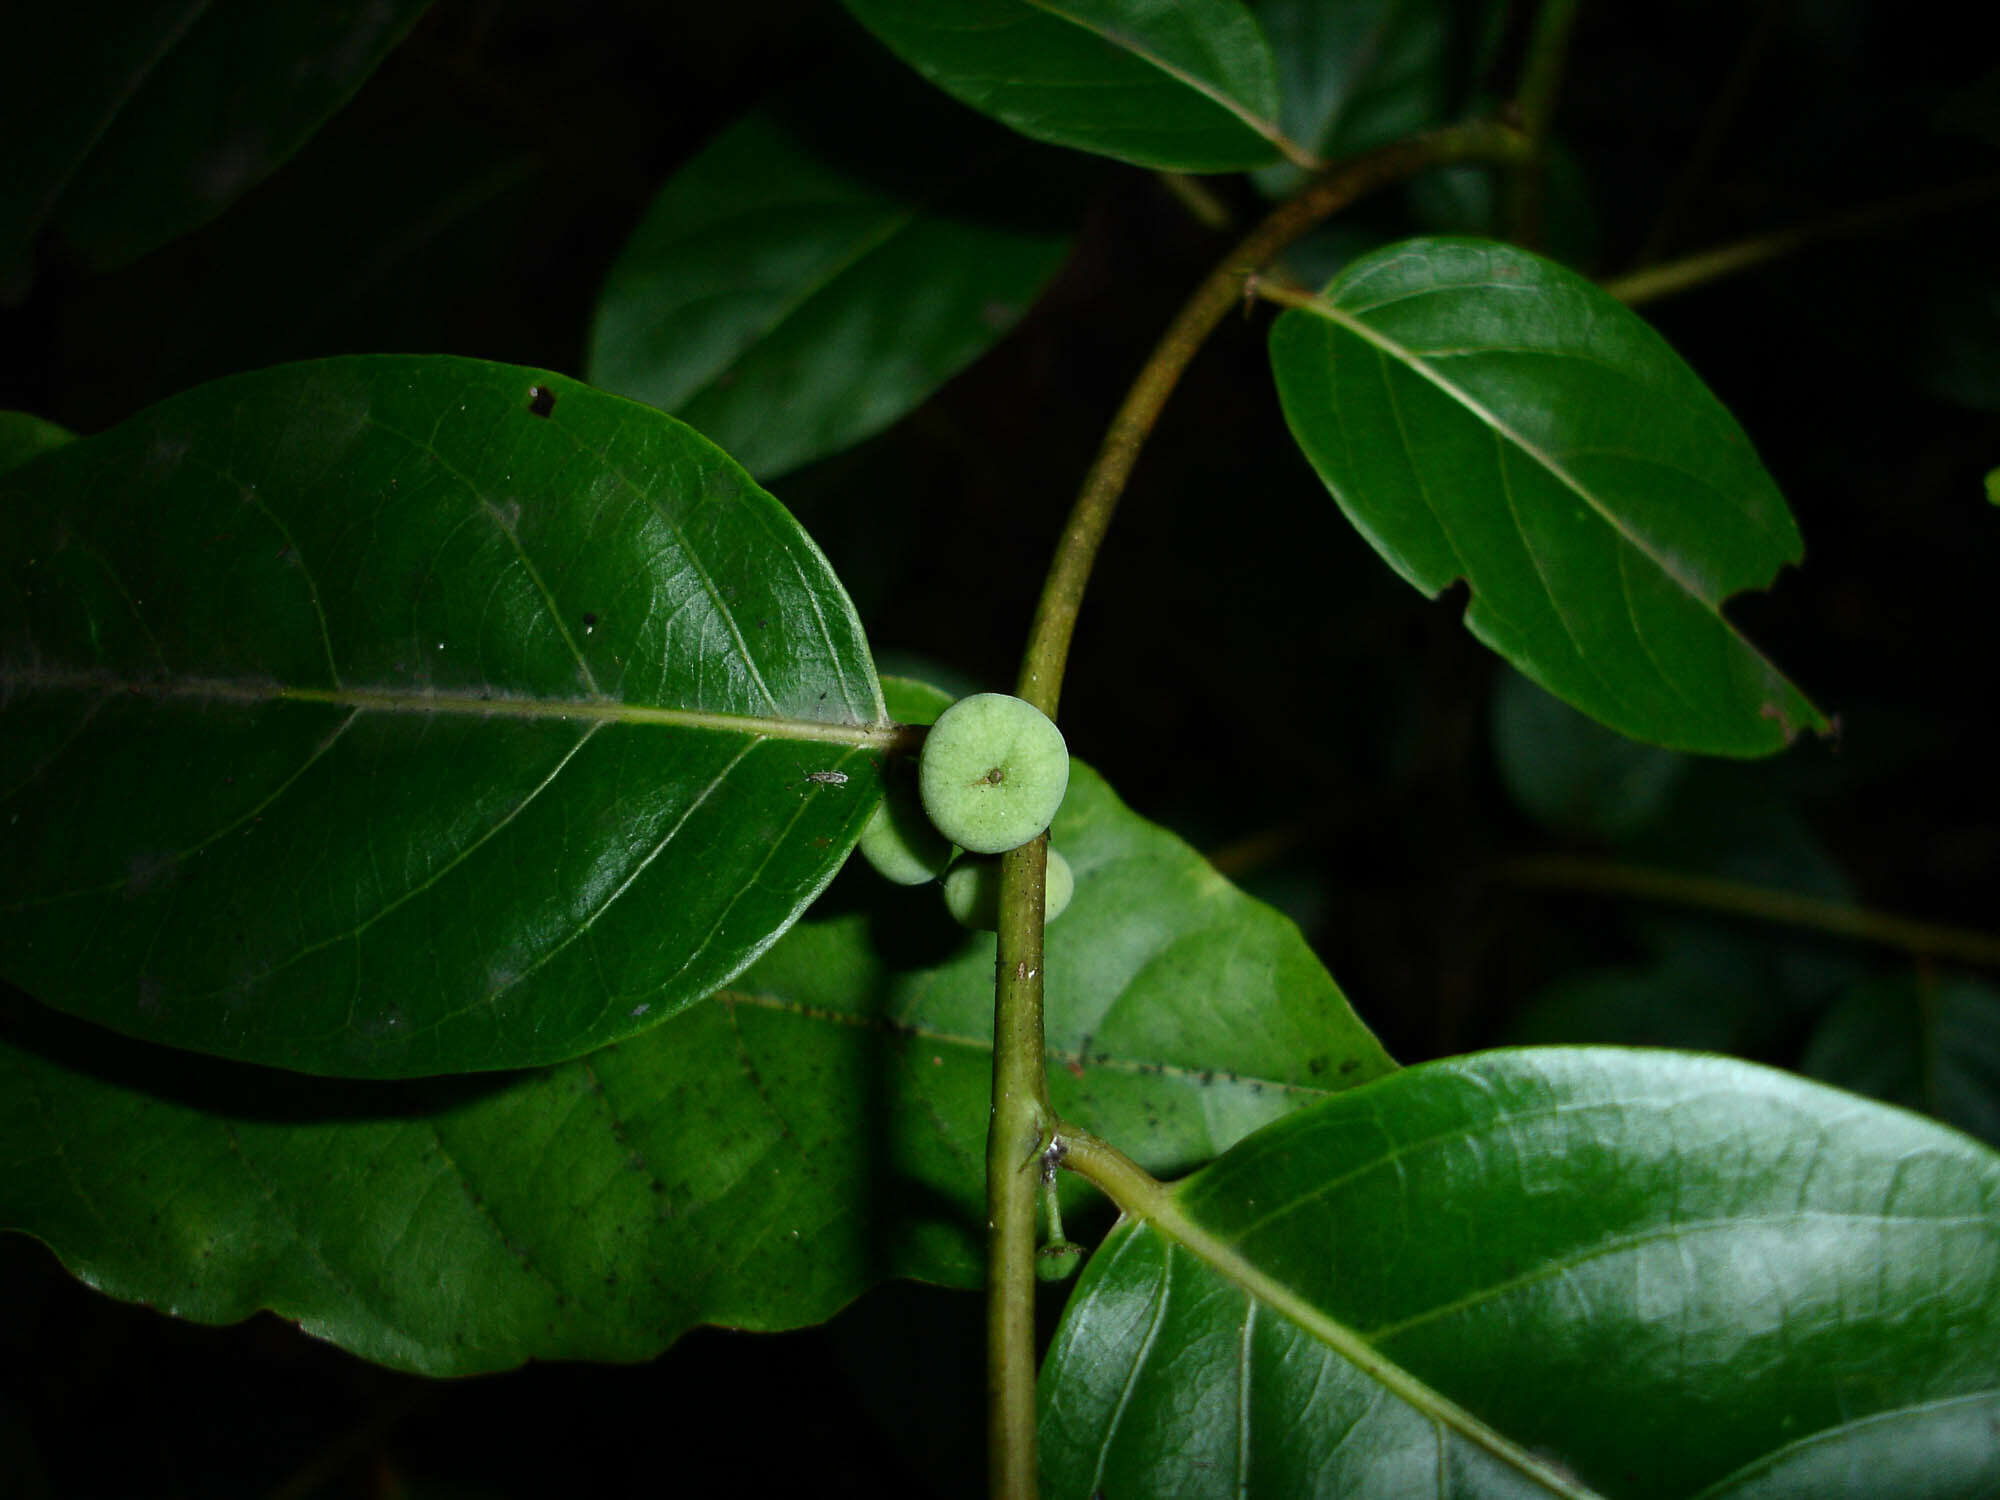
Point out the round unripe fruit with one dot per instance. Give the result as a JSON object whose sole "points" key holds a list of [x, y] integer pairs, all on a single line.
{"points": [[972, 891], [994, 772], [900, 842]]}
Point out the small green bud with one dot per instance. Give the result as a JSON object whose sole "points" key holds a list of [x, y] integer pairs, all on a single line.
{"points": [[901, 843], [972, 891], [1058, 1260]]}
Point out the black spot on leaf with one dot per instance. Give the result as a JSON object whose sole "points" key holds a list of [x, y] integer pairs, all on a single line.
{"points": [[541, 400]]}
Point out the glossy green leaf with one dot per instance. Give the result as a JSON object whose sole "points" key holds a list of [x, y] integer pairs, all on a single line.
{"points": [[1354, 75], [1521, 1273], [1923, 1043], [132, 123], [388, 716], [1191, 86], [1482, 414], [787, 308], [24, 436], [756, 1160]]}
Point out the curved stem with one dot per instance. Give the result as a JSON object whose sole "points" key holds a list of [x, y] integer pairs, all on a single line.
{"points": [[1696, 270], [1535, 106], [1043, 663], [1015, 1137], [1923, 939]]}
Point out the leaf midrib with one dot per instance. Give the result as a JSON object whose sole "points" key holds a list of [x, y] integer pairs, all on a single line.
{"points": [[1269, 130], [480, 704], [1420, 366]]}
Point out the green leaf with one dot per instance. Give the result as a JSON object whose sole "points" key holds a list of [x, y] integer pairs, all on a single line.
{"points": [[388, 716], [23, 437], [1569, 773], [1189, 87], [757, 1160], [1481, 413], [130, 124], [1920, 1043], [1525, 1272], [787, 308], [1355, 75]]}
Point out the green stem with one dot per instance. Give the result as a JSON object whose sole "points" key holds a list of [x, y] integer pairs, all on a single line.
{"points": [[1204, 205], [1015, 1138], [1535, 107], [1141, 1196], [1729, 260], [1923, 939], [1340, 185], [1021, 1123]]}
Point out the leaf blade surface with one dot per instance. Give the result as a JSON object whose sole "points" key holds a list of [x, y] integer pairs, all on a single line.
{"points": [[787, 308], [756, 1160], [386, 716], [1648, 1271], [1481, 413], [1187, 87]]}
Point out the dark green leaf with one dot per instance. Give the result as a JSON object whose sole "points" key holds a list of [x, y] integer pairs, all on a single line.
{"points": [[787, 308], [1481, 413], [1355, 75], [130, 124], [1920, 1043], [1569, 773], [1518, 1272], [398, 715], [23, 437], [1190, 86], [757, 1160]]}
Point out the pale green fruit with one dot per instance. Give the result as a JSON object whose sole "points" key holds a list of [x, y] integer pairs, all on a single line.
{"points": [[994, 772], [901, 843], [972, 891]]}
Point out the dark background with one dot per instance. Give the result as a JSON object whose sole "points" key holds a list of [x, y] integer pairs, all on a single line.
{"points": [[1246, 671]]}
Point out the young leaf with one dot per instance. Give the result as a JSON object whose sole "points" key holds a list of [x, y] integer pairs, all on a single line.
{"points": [[1546, 1272], [1189, 87], [1481, 413], [130, 129], [388, 716], [787, 308], [757, 1160]]}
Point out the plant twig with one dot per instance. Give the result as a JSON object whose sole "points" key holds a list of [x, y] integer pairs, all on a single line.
{"points": [[1728, 260], [1203, 203], [1022, 1120], [1534, 107], [1062, 594], [1015, 1137], [1923, 939]]}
